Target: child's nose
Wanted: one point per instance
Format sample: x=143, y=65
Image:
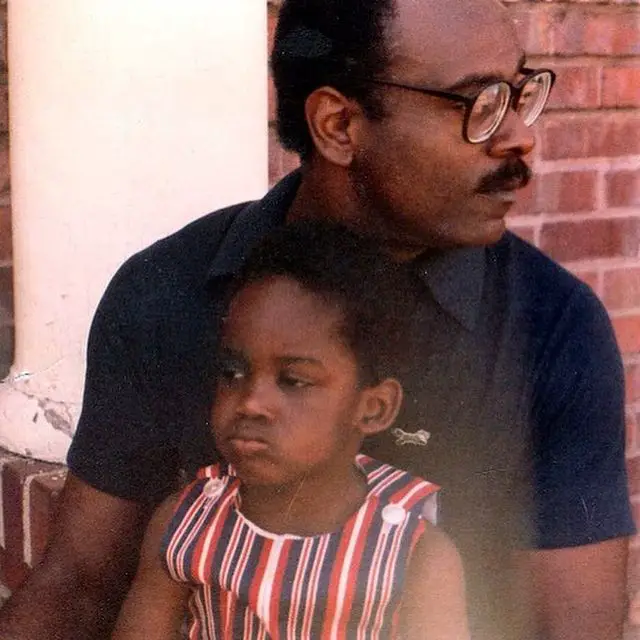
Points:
x=258, y=400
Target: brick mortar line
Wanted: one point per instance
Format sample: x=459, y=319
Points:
x=597, y=163
x=539, y=220
x=27, y=555
x=560, y=6
x=550, y=112
x=605, y=264
x=586, y=216
x=563, y=116
x=624, y=313
x=599, y=284
x=624, y=267
x=602, y=193
x=585, y=59
x=582, y=57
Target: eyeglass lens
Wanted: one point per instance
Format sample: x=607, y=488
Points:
x=488, y=111
x=492, y=103
x=533, y=97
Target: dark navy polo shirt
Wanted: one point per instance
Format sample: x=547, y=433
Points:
x=515, y=377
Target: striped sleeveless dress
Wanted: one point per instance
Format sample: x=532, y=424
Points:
x=250, y=584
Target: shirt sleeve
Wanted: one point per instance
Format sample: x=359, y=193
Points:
x=580, y=480
x=120, y=447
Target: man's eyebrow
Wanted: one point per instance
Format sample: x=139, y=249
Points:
x=480, y=80
x=475, y=80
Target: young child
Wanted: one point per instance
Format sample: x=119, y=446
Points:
x=296, y=535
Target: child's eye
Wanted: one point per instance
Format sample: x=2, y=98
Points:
x=231, y=370
x=294, y=382
x=232, y=374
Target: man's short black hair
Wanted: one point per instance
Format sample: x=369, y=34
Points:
x=376, y=296
x=336, y=43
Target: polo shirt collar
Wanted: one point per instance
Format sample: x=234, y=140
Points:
x=455, y=277
x=456, y=280
x=255, y=221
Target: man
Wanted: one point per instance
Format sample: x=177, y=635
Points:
x=401, y=113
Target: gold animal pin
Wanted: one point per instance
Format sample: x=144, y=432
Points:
x=419, y=438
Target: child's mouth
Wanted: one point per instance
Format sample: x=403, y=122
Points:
x=246, y=445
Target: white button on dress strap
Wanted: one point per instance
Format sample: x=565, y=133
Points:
x=212, y=488
x=393, y=514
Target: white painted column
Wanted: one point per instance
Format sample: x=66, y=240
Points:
x=128, y=119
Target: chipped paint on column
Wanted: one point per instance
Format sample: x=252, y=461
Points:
x=35, y=424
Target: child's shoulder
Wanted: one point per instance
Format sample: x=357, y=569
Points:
x=393, y=486
x=382, y=472
x=216, y=470
x=209, y=481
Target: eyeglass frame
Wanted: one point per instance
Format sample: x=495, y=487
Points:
x=469, y=101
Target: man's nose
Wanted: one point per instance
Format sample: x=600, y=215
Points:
x=513, y=138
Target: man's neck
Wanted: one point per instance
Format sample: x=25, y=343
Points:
x=326, y=193
x=323, y=195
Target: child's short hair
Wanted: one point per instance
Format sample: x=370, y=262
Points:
x=376, y=296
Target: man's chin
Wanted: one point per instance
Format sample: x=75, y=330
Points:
x=494, y=231
x=487, y=233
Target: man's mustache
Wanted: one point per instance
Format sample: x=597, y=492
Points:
x=513, y=174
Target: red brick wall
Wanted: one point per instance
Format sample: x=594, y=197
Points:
x=583, y=208
x=30, y=492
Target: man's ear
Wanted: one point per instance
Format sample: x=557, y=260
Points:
x=379, y=406
x=332, y=119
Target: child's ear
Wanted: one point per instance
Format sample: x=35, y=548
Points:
x=379, y=406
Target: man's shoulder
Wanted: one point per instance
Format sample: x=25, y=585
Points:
x=193, y=245
x=551, y=307
x=535, y=280
x=176, y=262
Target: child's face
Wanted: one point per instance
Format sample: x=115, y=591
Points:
x=287, y=401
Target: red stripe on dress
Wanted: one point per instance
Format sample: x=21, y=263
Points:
x=350, y=571
x=203, y=553
x=312, y=589
x=240, y=569
x=181, y=538
x=276, y=590
x=258, y=575
x=391, y=479
x=337, y=614
x=226, y=566
x=389, y=573
x=296, y=588
x=373, y=583
x=414, y=491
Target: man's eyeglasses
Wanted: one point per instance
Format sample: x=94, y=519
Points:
x=486, y=111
